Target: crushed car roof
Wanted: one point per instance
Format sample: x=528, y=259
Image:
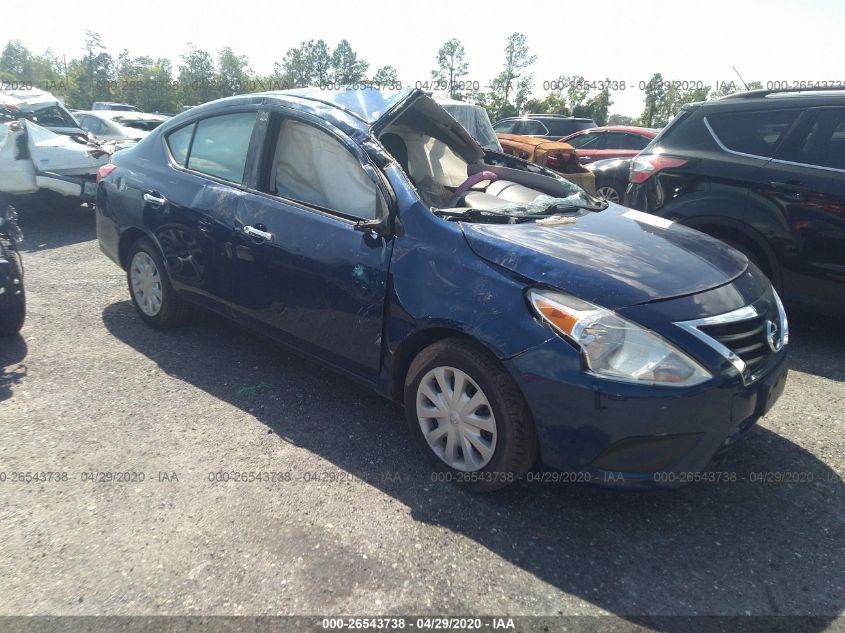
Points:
x=368, y=105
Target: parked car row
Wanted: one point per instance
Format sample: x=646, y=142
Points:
x=118, y=125
x=49, y=155
x=764, y=171
x=518, y=318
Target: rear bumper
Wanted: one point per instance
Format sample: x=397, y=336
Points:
x=80, y=188
x=622, y=435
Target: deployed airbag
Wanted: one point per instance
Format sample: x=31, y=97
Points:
x=313, y=167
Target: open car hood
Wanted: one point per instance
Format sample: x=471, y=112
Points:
x=614, y=258
x=431, y=114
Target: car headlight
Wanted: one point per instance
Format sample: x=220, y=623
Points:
x=614, y=347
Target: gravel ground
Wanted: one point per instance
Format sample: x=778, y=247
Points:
x=360, y=528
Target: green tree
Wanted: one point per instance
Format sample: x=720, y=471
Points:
x=90, y=78
x=451, y=66
x=620, y=119
x=511, y=88
x=514, y=77
x=196, y=77
x=655, y=94
x=553, y=103
x=15, y=61
x=309, y=64
x=347, y=67
x=386, y=77
x=599, y=106
x=233, y=73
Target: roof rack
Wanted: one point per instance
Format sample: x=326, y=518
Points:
x=751, y=94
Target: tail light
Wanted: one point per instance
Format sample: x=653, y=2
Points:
x=105, y=170
x=644, y=167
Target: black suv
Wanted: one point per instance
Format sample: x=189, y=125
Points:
x=763, y=171
x=550, y=126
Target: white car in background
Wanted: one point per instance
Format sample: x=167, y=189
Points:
x=117, y=125
x=41, y=169
x=40, y=107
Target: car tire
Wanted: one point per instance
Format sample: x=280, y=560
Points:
x=492, y=444
x=13, y=304
x=149, y=286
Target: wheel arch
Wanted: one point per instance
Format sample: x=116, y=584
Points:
x=128, y=237
x=415, y=342
x=728, y=229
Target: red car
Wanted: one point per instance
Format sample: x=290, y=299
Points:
x=610, y=141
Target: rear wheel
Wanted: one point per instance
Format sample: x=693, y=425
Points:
x=12, y=302
x=149, y=286
x=469, y=416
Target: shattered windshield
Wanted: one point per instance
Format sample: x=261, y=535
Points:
x=544, y=209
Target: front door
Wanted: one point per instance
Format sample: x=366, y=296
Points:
x=304, y=272
x=807, y=180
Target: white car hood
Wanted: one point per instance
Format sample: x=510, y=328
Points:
x=59, y=153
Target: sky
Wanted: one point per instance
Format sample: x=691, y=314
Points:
x=775, y=40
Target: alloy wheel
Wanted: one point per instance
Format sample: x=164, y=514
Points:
x=608, y=193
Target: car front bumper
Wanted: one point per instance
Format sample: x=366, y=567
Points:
x=617, y=434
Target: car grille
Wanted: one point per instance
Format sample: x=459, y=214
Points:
x=746, y=338
x=749, y=337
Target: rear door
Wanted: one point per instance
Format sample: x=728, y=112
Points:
x=189, y=202
x=305, y=273
x=807, y=181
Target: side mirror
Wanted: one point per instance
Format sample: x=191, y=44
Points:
x=380, y=226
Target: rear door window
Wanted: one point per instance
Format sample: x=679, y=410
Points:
x=179, y=143
x=635, y=141
x=821, y=143
x=616, y=140
x=529, y=128
x=505, y=127
x=221, y=144
x=588, y=140
x=755, y=133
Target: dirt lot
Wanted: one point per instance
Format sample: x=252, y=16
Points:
x=359, y=527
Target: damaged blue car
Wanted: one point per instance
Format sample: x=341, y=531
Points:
x=520, y=320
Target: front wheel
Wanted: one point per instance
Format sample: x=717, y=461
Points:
x=12, y=295
x=149, y=286
x=469, y=416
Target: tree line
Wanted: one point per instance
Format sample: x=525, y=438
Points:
x=154, y=85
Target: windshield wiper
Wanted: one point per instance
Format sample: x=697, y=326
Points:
x=473, y=215
x=560, y=207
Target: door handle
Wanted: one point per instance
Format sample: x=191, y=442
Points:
x=583, y=158
x=258, y=233
x=155, y=200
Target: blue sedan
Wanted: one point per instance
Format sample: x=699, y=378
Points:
x=520, y=320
